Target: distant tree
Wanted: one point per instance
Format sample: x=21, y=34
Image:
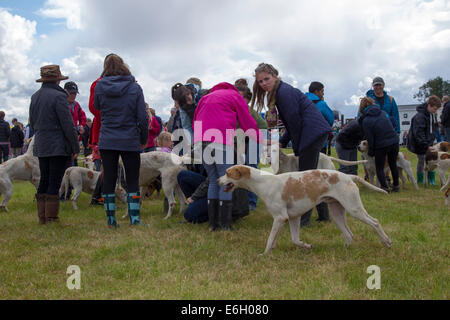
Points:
x=436, y=86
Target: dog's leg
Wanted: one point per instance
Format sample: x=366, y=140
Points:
x=441, y=174
x=294, y=225
x=278, y=222
x=168, y=188
x=355, y=208
x=181, y=198
x=7, y=195
x=76, y=193
x=337, y=212
x=401, y=177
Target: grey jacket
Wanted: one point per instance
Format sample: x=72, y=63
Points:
x=52, y=123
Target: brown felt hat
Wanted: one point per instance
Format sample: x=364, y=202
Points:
x=51, y=73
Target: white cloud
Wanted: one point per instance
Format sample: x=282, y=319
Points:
x=16, y=39
x=63, y=9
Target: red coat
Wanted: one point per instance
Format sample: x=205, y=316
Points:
x=97, y=122
x=153, y=133
x=78, y=116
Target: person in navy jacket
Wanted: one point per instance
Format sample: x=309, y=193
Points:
x=304, y=123
x=124, y=130
x=382, y=138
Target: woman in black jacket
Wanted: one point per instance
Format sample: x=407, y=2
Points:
x=421, y=134
x=55, y=140
x=347, y=142
x=382, y=139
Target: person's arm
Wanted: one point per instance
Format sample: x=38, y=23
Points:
x=66, y=123
x=395, y=115
x=142, y=116
x=246, y=120
x=327, y=113
x=284, y=140
x=201, y=191
x=81, y=119
x=92, y=109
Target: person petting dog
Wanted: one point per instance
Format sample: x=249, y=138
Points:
x=421, y=135
x=216, y=113
x=382, y=139
x=56, y=140
x=124, y=130
x=304, y=123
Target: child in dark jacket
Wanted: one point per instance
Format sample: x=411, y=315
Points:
x=382, y=138
x=421, y=134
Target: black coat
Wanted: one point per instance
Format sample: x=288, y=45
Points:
x=350, y=136
x=5, y=131
x=445, y=120
x=378, y=129
x=52, y=123
x=16, y=137
x=421, y=134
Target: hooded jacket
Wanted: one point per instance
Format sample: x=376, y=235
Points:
x=377, y=128
x=219, y=111
x=5, y=131
x=389, y=106
x=124, y=121
x=350, y=136
x=421, y=133
x=445, y=118
x=52, y=123
x=303, y=121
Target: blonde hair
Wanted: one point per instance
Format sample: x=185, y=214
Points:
x=259, y=93
x=365, y=102
x=164, y=136
x=195, y=81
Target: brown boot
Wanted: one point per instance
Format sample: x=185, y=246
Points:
x=40, y=200
x=52, y=208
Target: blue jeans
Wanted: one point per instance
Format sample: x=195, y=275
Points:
x=215, y=171
x=197, y=212
x=447, y=134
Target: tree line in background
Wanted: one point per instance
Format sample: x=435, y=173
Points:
x=436, y=86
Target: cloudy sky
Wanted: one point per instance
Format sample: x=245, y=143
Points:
x=343, y=44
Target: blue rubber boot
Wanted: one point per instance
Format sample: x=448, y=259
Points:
x=134, y=205
x=431, y=178
x=420, y=178
x=110, y=207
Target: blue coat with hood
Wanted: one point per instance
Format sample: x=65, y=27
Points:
x=421, y=133
x=389, y=106
x=303, y=121
x=377, y=128
x=124, y=119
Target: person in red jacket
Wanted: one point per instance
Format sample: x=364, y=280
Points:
x=153, y=130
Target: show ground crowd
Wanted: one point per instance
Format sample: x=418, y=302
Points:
x=125, y=126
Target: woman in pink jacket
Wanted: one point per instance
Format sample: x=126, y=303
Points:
x=215, y=122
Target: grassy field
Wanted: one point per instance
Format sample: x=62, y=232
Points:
x=174, y=260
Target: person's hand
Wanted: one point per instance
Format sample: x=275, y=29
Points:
x=143, y=146
x=74, y=156
x=189, y=200
x=82, y=130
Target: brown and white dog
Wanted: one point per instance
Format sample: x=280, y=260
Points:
x=84, y=180
x=288, y=196
x=403, y=164
x=168, y=165
x=442, y=147
x=24, y=167
x=437, y=160
x=289, y=163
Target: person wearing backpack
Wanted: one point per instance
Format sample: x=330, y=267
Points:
x=421, y=135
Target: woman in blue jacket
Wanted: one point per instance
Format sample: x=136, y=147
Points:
x=123, y=131
x=304, y=123
x=382, y=138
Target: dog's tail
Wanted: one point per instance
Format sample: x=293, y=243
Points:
x=367, y=184
x=347, y=163
x=64, y=189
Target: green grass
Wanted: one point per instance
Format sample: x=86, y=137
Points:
x=172, y=260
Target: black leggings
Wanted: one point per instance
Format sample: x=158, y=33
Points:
x=131, y=162
x=380, y=160
x=52, y=172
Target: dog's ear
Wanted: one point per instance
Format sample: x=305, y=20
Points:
x=445, y=146
x=430, y=156
x=445, y=156
x=234, y=173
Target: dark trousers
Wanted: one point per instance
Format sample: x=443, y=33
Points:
x=4, y=152
x=131, y=162
x=197, y=212
x=380, y=159
x=52, y=172
x=308, y=160
x=349, y=155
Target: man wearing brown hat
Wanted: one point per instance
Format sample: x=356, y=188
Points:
x=55, y=139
